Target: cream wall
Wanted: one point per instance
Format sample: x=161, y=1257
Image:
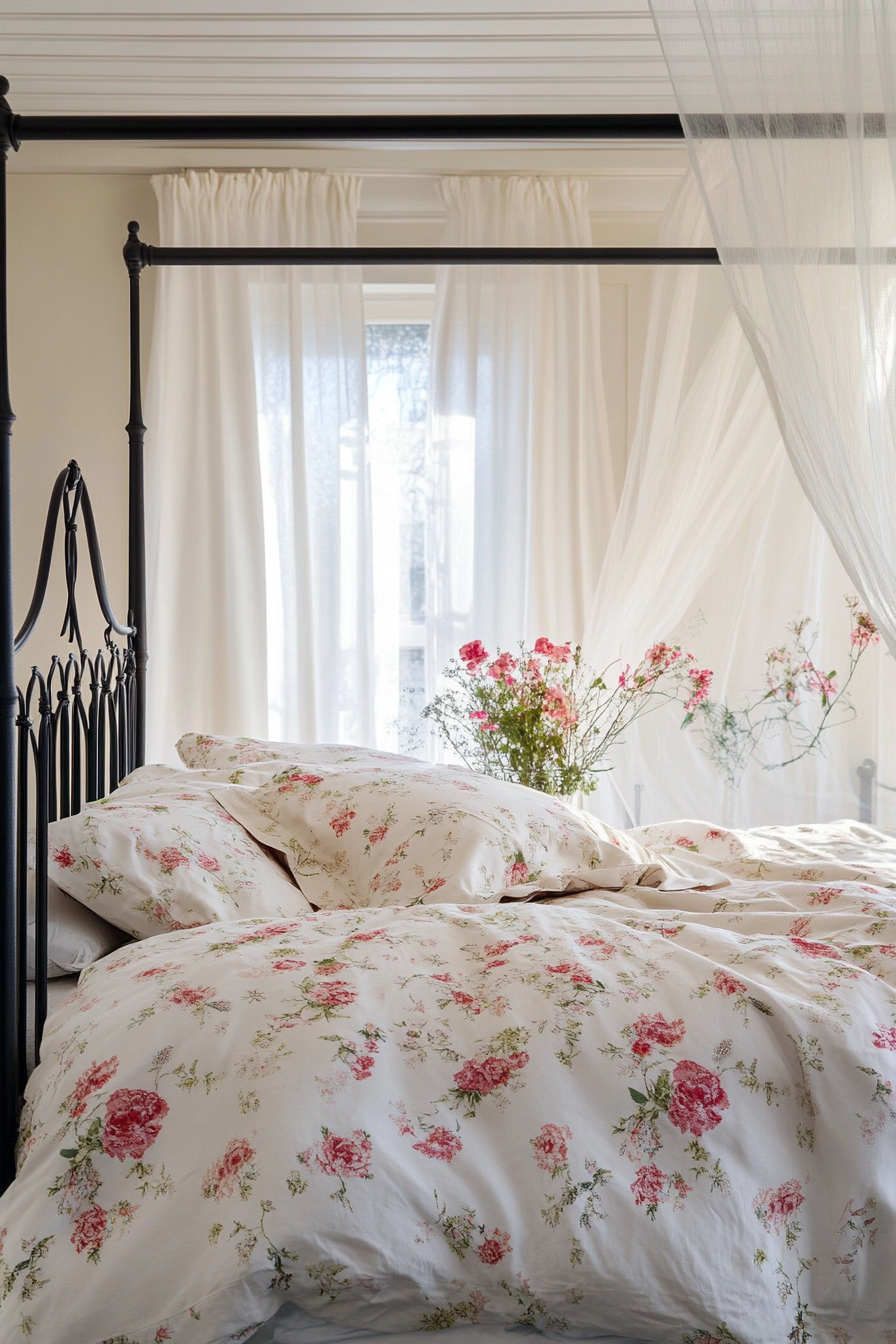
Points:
x=68, y=337
x=68, y=314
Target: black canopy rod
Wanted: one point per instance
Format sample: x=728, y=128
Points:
x=427, y=256
x=500, y=126
x=536, y=126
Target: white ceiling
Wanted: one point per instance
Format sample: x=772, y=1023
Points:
x=332, y=56
x=343, y=56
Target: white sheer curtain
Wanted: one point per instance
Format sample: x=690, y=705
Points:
x=523, y=490
x=258, y=510
x=704, y=450
x=805, y=100
x=715, y=544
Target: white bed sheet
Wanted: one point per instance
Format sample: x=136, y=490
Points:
x=292, y=1325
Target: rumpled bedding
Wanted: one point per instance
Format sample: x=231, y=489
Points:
x=667, y=1115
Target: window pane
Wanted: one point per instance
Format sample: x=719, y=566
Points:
x=398, y=403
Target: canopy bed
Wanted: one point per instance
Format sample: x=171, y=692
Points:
x=632, y=916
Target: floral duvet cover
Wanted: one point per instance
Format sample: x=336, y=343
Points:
x=667, y=1115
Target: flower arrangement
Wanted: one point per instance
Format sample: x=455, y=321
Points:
x=544, y=718
x=793, y=683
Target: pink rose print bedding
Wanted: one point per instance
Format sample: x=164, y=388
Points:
x=374, y=834
x=160, y=854
x=665, y=1115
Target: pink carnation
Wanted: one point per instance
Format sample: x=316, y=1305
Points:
x=132, y=1122
x=884, y=1037
x=698, y=1098
x=494, y=1248
x=333, y=993
x=550, y=1147
x=652, y=1029
x=484, y=1076
x=90, y=1229
x=440, y=1145
x=474, y=655
x=555, y=653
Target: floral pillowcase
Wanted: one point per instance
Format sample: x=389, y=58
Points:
x=161, y=854
x=374, y=835
x=204, y=751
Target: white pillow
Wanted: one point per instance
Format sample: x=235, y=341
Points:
x=205, y=751
x=75, y=936
x=161, y=854
x=371, y=835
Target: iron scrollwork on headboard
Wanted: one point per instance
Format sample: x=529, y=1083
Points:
x=76, y=725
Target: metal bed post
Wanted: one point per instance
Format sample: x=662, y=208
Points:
x=9, y=1034
x=136, y=431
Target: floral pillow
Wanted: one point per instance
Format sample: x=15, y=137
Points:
x=161, y=854
x=203, y=751
x=374, y=835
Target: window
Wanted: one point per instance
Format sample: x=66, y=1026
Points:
x=397, y=340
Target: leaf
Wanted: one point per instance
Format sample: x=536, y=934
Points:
x=637, y=1097
x=762, y=1007
x=68, y=1152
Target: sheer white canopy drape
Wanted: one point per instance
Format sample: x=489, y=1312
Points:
x=258, y=509
x=716, y=545
x=790, y=200
x=523, y=490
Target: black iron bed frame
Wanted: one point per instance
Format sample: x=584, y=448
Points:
x=76, y=730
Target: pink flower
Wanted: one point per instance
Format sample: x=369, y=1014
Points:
x=220, y=1180
x=345, y=1157
x=440, y=1145
x=516, y=873
x=488, y=727
x=652, y=1029
x=368, y=935
x=288, y=964
x=170, y=858
x=502, y=667
x=361, y=1067
x=343, y=821
x=864, y=632
x=824, y=895
x=662, y=655
x=702, y=680
x=576, y=973
x=474, y=655
x=649, y=1185
x=726, y=983
x=550, y=1147
x=494, y=1248
x=378, y=833
x=63, y=857
x=715, y=835
x=685, y=842
x=90, y=1229
x=556, y=705
x=810, y=949
x=555, y=653
x=210, y=864
x=598, y=948
x=133, y=1121
x=190, y=996
x=775, y=1207
x=333, y=993
x=697, y=1098
x=91, y=1080
x=483, y=1076
x=478, y=714
x=884, y=1037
